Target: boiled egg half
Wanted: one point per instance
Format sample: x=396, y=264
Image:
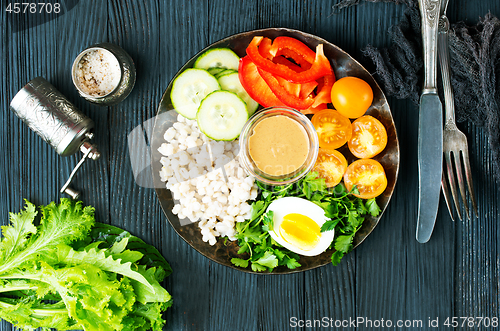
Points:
x=296, y=226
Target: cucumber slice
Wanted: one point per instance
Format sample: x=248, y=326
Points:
x=222, y=115
x=189, y=88
x=218, y=57
x=224, y=72
x=231, y=83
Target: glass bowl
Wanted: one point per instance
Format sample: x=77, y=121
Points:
x=288, y=178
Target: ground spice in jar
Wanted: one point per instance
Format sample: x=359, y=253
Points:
x=98, y=73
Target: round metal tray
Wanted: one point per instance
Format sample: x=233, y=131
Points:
x=343, y=65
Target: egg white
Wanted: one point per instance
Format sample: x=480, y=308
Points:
x=288, y=205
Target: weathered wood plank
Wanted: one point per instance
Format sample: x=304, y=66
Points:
x=6, y=180
x=478, y=239
x=28, y=153
x=182, y=31
x=225, y=19
x=92, y=180
x=34, y=170
x=368, y=292
x=330, y=292
x=267, y=300
x=382, y=261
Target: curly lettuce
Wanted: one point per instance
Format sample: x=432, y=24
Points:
x=70, y=272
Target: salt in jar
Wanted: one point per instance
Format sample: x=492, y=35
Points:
x=104, y=74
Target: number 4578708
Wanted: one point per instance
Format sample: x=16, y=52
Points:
x=33, y=8
x=471, y=322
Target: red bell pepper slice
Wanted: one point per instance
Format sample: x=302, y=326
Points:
x=284, y=61
x=299, y=90
x=292, y=88
x=255, y=86
x=297, y=58
x=300, y=52
x=304, y=89
x=283, y=95
x=319, y=68
x=307, y=88
x=265, y=47
x=314, y=110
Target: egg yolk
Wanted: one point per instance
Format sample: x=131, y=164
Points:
x=300, y=231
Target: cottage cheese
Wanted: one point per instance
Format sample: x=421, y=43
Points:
x=206, y=180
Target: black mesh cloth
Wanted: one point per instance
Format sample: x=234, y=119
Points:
x=474, y=61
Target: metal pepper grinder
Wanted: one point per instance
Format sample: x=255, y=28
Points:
x=57, y=121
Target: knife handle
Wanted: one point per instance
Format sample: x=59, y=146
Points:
x=429, y=12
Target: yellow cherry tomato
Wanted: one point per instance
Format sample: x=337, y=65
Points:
x=351, y=96
x=369, y=177
x=333, y=129
x=330, y=165
x=369, y=137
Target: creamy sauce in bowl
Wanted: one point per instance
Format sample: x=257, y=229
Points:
x=278, y=145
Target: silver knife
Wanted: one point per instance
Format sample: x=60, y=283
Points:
x=430, y=126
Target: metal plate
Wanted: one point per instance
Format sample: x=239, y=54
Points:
x=343, y=65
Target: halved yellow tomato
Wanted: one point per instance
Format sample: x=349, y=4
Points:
x=369, y=137
x=369, y=177
x=330, y=165
x=333, y=128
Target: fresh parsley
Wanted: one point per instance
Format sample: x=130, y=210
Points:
x=345, y=211
x=264, y=254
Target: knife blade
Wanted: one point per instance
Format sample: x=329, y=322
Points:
x=430, y=126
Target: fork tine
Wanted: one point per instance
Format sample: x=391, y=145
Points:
x=461, y=183
x=446, y=194
x=452, y=182
x=468, y=177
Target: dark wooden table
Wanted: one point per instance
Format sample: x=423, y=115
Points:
x=388, y=277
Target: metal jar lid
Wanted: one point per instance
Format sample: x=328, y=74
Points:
x=126, y=72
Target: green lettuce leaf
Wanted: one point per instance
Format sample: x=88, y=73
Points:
x=150, y=315
x=144, y=293
x=67, y=273
x=16, y=236
x=95, y=299
x=31, y=314
x=60, y=224
x=99, y=259
x=109, y=235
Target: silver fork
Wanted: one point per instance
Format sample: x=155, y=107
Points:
x=454, y=141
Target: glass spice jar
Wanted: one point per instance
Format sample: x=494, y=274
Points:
x=103, y=74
